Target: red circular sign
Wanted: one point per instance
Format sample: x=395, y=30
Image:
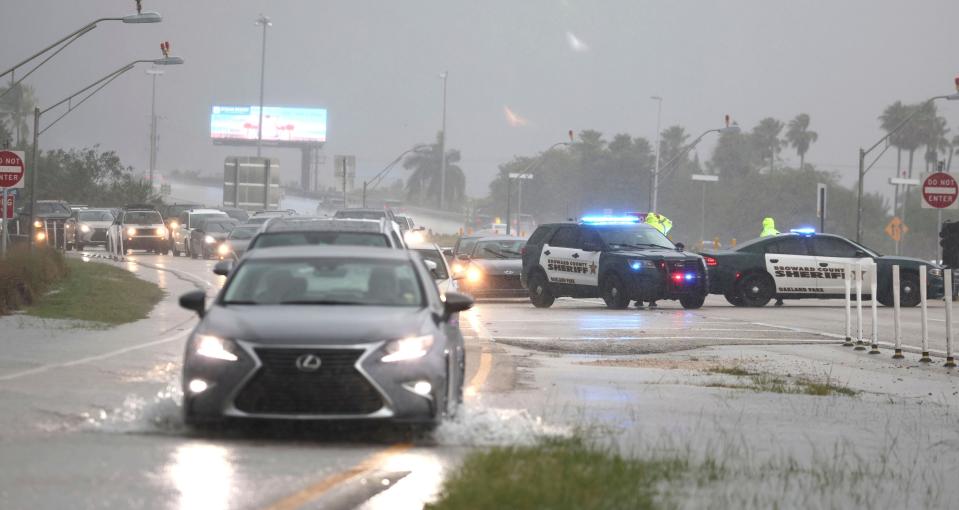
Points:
x=11, y=169
x=940, y=190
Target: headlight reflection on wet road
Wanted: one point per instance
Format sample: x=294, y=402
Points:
x=203, y=476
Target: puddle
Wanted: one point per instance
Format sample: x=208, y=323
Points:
x=158, y=413
x=483, y=426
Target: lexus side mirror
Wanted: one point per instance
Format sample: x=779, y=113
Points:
x=223, y=267
x=432, y=267
x=455, y=303
x=195, y=301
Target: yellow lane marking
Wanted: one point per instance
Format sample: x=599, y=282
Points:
x=486, y=359
x=314, y=491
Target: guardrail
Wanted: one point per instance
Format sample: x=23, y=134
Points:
x=854, y=278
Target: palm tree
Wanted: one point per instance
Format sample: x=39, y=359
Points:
x=17, y=107
x=953, y=149
x=765, y=138
x=423, y=185
x=800, y=137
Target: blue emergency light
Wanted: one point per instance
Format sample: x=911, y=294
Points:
x=609, y=220
x=804, y=231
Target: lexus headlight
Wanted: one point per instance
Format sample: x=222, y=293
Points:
x=935, y=271
x=407, y=348
x=209, y=240
x=639, y=265
x=131, y=231
x=85, y=228
x=215, y=348
x=474, y=274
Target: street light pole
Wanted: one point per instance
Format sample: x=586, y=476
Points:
x=728, y=129
x=524, y=174
x=264, y=22
x=704, y=178
x=153, y=124
x=143, y=17
x=37, y=113
x=864, y=152
x=445, y=76
x=654, y=189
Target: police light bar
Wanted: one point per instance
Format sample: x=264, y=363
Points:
x=804, y=231
x=609, y=220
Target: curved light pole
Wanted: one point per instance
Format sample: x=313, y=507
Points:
x=734, y=129
x=654, y=188
x=862, y=154
x=96, y=86
x=445, y=76
x=378, y=178
x=522, y=175
x=143, y=17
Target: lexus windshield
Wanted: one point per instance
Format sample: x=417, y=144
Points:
x=325, y=281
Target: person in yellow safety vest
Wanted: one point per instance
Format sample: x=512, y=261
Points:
x=769, y=229
x=659, y=222
x=662, y=224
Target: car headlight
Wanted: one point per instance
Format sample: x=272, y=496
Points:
x=414, y=347
x=209, y=240
x=131, y=231
x=174, y=225
x=935, y=271
x=215, y=348
x=474, y=274
x=38, y=224
x=85, y=228
x=457, y=268
x=223, y=249
x=161, y=231
x=639, y=265
x=41, y=236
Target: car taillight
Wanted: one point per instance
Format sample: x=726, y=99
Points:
x=522, y=251
x=711, y=262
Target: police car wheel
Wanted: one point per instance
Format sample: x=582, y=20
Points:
x=756, y=290
x=908, y=292
x=539, y=292
x=733, y=298
x=692, y=302
x=614, y=293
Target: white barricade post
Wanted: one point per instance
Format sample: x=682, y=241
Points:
x=875, y=310
x=896, y=313
x=847, y=283
x=923, y=286
x=947, y=276
x=860, y=344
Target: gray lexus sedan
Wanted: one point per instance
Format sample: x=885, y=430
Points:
x=325, y=333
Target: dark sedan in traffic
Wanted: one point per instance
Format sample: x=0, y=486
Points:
x=492, y=268
x=325, y=333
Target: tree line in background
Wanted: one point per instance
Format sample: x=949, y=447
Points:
x=594, y=174
x=82, y=176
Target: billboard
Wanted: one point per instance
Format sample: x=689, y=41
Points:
x=237, y=125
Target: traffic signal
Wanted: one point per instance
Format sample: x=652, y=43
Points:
x=949, y=240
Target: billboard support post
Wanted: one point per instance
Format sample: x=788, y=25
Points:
x=266, y=184
x=345, y=203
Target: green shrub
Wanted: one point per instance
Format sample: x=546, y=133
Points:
x=25, y=275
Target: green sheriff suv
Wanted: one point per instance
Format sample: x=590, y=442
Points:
x=616, y=258
x=805, y=265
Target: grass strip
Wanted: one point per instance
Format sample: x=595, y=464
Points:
x=557, y=474
x=769, y=383
x=99, y=293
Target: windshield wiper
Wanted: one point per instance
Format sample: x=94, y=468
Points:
x=240, y=302
x=320, y=302
x=498, y=254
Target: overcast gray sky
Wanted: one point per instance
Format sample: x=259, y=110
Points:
x=374, y=65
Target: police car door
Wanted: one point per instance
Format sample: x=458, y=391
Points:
x=791, y=264
x=589, y=238
x=833, y=254
x=557, y=256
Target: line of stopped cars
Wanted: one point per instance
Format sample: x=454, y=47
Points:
x=356, y=318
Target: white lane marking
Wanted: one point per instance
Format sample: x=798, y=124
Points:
x=88, y=359
x=626, y=338
x=691, y=327
x=800, y=330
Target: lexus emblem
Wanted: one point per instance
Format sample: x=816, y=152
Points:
x=507, y=272
x=308, y=363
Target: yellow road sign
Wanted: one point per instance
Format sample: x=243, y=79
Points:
x=896, y=229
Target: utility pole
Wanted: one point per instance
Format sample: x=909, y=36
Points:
x=445, y=75
x=153, y=72
x=654, y=189
x=264, y=22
